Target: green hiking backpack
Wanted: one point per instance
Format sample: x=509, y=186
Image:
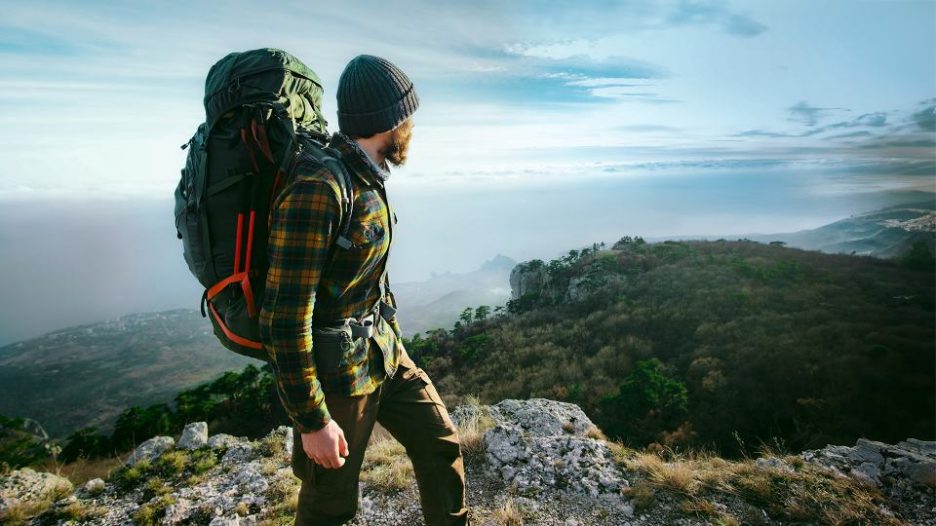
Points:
x=262, y=122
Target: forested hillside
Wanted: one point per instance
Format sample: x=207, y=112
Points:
x=723, y=344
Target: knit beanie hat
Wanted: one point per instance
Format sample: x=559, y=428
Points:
x=373, y=96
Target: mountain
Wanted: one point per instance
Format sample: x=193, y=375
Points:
x=438, y=301
x=886, y=233
x=87, y=375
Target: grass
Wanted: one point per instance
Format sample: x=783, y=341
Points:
x=283, y=492
x=22, y=513
x=150, y=513
x=471, y=431
x=386, y=465
x=508, y=514
x=798, y=492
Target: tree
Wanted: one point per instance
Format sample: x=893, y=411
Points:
x=466, y=316
x=482, y=312
x=647, y=400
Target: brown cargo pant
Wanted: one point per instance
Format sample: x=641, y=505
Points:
x=409, y=407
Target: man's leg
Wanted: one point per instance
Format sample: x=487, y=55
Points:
x=412, y=411
x=329, y=496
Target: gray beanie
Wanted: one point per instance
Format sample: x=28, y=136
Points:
x=373, y=96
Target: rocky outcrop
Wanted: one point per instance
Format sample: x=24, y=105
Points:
x=537, y=459
x=25, y=490
x=535, y=279
x=905, y=472
x=538, y=444
x=150, y=449
x=529, y=278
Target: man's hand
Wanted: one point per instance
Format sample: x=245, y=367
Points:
x=327, y=446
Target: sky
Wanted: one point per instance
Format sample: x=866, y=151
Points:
x=542, y=126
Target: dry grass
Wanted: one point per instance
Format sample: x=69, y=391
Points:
x=471, y=431
x=507, y=514
x=386, y=465
x=22, y=513
x=83, y=470
x=596, y=433
x=799, y=492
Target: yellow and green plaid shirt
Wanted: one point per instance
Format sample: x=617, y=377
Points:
x=305, y=287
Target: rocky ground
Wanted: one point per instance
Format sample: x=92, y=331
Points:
x=528, y=462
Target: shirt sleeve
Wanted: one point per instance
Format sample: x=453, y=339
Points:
x=303, y=226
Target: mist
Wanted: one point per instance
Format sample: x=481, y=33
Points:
x=70, y=261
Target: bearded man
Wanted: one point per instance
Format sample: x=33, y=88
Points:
x=328, y=320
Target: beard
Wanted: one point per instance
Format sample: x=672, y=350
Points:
x=397, y=146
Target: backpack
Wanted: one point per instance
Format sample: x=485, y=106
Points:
x=262, y=122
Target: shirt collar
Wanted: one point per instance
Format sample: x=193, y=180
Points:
x=358, y=160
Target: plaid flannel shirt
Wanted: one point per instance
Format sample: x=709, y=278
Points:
x=305, y=288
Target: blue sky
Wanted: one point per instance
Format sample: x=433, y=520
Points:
x=543, y=126
x=97, y=96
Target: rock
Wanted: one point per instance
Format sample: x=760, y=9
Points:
x=150, y=449
x=194, y=436
x=542, y=445
x=528, y=278
x=221, y=441
x=542, y=417
x=905, y=472
x=773, y=463
x=94, y=486
x=238, y=454
x=25, y=487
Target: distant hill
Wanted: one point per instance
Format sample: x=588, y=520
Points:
x=87, y=375
x=883, y=233
x=438, y=301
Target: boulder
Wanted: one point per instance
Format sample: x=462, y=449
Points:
x=194, y=436
x=150, y=449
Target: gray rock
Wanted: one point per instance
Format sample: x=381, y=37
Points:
x=25, y=486
x=773, y=463
x=238, y=454
x=221, y=441
x=194, y=436
x=94, y=486
x=150, y=449
x=541, y=445
x=528, y=278
x=543, y=417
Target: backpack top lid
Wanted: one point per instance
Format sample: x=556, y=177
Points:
x=265, y=75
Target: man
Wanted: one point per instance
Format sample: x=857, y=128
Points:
x=336, y=349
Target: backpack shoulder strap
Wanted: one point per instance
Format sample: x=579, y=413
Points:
x=331, y=159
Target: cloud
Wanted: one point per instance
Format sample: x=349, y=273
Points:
x=809, y=115
x=851, y=135
x=714, y=14
x=926, y=118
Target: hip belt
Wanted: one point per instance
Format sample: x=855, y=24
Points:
x=357, y=327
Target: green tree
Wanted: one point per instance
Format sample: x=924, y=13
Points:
x=482, y=313
x=466, y=316
x=648, y=400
